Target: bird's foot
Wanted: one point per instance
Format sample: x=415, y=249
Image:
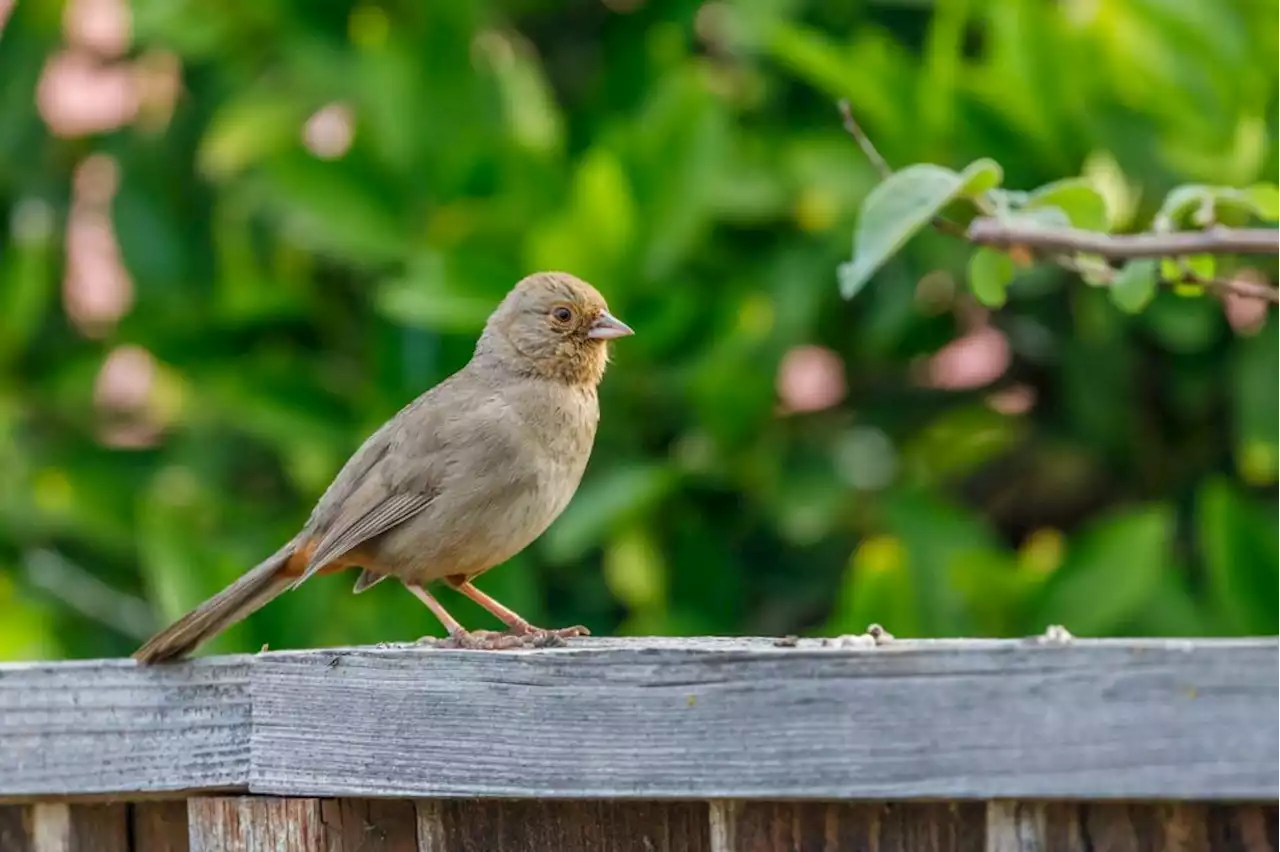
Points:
x=475, y=640
x=541, y=637
x=527, y=636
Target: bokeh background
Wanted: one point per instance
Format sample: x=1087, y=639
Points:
x=238, y=236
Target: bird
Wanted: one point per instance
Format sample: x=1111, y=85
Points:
x=460, y=480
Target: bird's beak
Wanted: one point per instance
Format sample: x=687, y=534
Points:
x=608, y=327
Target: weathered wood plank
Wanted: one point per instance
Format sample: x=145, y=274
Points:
x=267, y=824
x=843, y=827
x=59, y=827
x=371, y=825
x=1244, y=829
x=660, y=718
x=257, y=824
x=1129, y=827
x=160, y=827
x=566, y=826
x=15, y=834
x=1088, y=720
x=107, y=726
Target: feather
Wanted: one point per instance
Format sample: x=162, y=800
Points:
x=349, y=532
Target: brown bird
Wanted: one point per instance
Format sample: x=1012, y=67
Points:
x=460, y=480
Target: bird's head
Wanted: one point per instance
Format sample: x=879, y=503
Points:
x=555, y=326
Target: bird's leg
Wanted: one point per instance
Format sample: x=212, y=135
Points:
x=517, y=625
x=459, y=637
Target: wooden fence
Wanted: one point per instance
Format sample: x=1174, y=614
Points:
x=723, y=745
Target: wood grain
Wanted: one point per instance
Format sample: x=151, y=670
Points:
x=257, y=824
x=843, y=827
x=58, y=827
x=160, y=827
x=689, y=719
x=565, y=826
x=1129, y=827
x=108, y=726
x=1090, y=720
x=14, y=831
x=370, y=825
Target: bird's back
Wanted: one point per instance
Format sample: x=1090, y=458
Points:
x=499, y=459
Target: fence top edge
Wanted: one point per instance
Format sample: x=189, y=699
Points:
x=695, y=645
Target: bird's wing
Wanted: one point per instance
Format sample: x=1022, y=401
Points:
x=352, y=528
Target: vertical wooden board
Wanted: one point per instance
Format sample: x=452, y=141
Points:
x=1243, y=828
x=837, y=827
x=1183, y=827
x=1131, y=827
x=160, y=827
x=59, y=827
x=257, y=824
x=492, y=825
x=370, y=825
x=13, y=829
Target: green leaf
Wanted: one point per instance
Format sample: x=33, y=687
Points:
x=247, y=130
x=878, y=588
x=1240, y=551
x=1094, y=269
x=1265, y=199
x=1083, y=205
x=1110, y=571
x=1255, y=421
x=634, y=569
x=1175, y=269
x=429, y=297
x=898, y=207
x=935, y=533
x=1178, y=203
x=1135, y=285
x=990, y=272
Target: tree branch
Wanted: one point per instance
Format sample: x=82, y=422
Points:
x=1058, y=244
x=988, y=231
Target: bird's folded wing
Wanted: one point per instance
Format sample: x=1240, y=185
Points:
x=351, y=529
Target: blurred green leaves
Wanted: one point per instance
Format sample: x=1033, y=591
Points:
x=313, y=233
x=990, y=273
x=1109, y=571
x=903, y=203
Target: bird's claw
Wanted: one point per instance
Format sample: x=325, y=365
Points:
x=490, y=640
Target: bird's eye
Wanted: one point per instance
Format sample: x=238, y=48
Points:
x=562, y=314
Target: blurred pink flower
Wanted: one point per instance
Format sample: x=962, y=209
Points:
x=125, y=380
x=124, y=388
x=976, y=359
x=1246, y=315
x=810, y=378
x=96, y=288
x=76, y=95
x=101, y=26
x=328, y=132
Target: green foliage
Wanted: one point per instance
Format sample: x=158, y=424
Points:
x=990, y=273
x=901, y=205
x=1104, y=457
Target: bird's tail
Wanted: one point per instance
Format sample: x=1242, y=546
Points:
x=243, y=597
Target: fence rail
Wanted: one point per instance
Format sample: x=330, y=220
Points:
x=652, y=744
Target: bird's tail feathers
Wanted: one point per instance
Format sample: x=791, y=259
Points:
x=243, y=597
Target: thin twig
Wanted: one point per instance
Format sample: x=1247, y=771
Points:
x=864, y=142
x=1050, y=242
x=988, y=231
x=882, y=166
